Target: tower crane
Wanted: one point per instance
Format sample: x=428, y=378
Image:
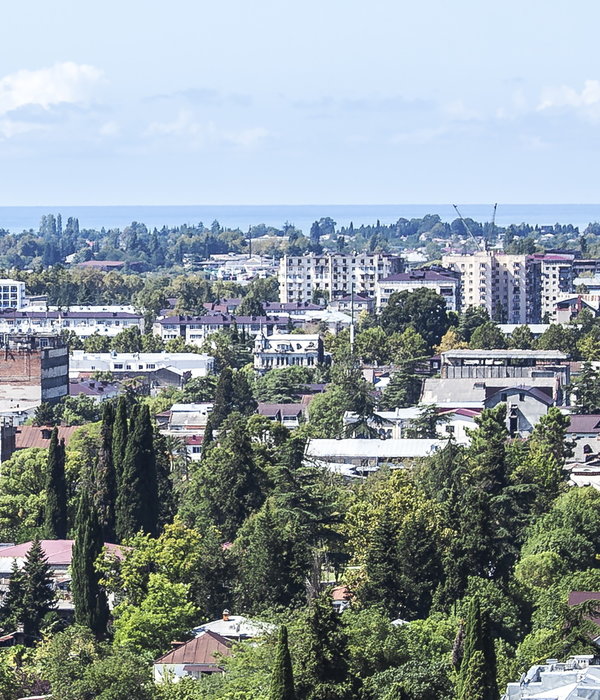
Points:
x=480, y=245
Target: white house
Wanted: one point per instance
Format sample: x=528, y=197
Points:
x=284, y=350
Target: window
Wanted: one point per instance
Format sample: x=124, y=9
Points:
x=118, y=366
x=521, y=397
x=503, y=397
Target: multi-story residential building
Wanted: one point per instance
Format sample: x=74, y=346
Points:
x=333, y=274
x=195, y=329
x=283, y=350
x=33, y=370
x=495, y=281
x=550, y=276
x=12, y=294
x=83, y=321
x=446, y=285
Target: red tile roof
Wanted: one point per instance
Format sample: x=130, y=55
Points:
x=58, y=552
x=33, y=435
x=200, y=650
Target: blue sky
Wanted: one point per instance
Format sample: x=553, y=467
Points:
x=335, y=101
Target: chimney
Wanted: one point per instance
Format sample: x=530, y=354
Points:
x=46, y=433
x=176, y=645
x=225, y=615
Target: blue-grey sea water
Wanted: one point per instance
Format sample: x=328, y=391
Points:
x=17, y=219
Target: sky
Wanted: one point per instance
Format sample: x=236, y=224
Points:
x=312, y=102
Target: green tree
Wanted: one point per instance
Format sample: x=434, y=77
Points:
x=55, y=512
x=164, y=614
x=403, y=389
x=128, y=340
x=21, y=499
x=561, y=338
x=470, y=320
x=137, y=499
x=422, y=309
x=587, y=390
x=270, y=561
x=228, y=485
x=120, y=432
x=282, y=678
x=91, y=607
x=521, y=338
x=488, y=336
x=478, y=667
x=323, y=654
x=106, y=477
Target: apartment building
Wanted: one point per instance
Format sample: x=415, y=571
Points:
x=495, y=281
x=334, y=274
x=550, y=277
x=12, y=294
x=83, y=321
x=196, y=329
x=446, y=285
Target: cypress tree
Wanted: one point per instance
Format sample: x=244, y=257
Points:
x=224, y=399
x=55, y=513
x=478, y=666
x=137, y=500
x=38, y=598
x=120, y=431
x=91, y=607
x=282, y=678
x=106, y=478
x=323, y=654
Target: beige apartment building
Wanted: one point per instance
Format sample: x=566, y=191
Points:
x=334, y=274
x=495, y=281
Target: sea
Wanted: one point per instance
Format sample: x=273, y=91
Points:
x=17, y=219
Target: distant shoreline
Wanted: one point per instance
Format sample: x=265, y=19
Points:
x=19, y=218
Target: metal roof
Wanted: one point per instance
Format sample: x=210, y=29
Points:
x=508, y=354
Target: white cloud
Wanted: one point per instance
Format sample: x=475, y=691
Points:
x=586, y=101
x=11, y=127
x=110, y=128
x=66, y=82
x=420, y=137
x=205, y=133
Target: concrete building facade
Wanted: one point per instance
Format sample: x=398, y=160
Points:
x=446, y=285
x=334, y=274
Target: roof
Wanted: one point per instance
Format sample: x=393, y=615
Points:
x=466, y=354
x=235, y=627
x=58, y=552
x=91, y=387
x=589, y=423
x=372, y=448
x=200, y=650
x=34, y=435
x=283, y=409
x=535, y=392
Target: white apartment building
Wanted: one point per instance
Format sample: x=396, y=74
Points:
x=444, y=285
x=83, y=321
x=495, y=281
x=277, y=351
x=335, y=274
x=124, y=364
x=12, y=294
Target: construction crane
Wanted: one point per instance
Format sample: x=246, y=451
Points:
x=480, y=245
x=494, y=219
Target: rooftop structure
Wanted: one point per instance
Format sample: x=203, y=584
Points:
x=578, y=677
x=199, y=656
x=236, y=627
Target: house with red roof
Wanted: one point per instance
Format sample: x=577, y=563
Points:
x=200, y=656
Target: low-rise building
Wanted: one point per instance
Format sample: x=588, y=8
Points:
x=157, y=368
x=357, y=457
x=446, y=284
x=284, y=350
x=12, y=294
x=290, y=415
x=356, y=302
x=199, y=657
x=577, y=677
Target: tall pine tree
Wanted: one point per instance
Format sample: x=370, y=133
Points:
x=137, y=500
x=477, y=677
x=282, y=678
x=120, y=432
x=106, y=477
x=55, y=513
x=91, y=607
x=30, y=596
